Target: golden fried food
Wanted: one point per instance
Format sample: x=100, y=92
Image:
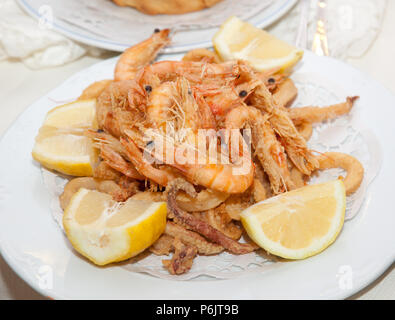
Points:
x=305, y=129
x=118, y=192
x=182, y=259
x=140, y=55
x=192, y=238
x=321, y=114
x=149, y=196
x=285, y=93
x=202, y=55
x=205, y=200
x=354, y=168
x=258, y=191
x=163, y=246
x=200, y=226
x=268, y=149
x=297, y=177
x=157, y=111
x=167, y=6
x=221, y=220
x=94, y=90
x=294, y=144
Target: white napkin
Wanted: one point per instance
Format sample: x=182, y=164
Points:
x=33, y=42
x=351, y=26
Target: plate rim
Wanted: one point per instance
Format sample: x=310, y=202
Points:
x=379, y=268
x=119, y=47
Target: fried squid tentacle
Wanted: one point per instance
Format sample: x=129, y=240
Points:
x=200, y=226
x=192, y=238
x=182, y=259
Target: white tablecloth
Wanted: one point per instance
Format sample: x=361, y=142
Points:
x=20, y=86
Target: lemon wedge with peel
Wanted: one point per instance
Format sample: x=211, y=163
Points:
x=106, y=231
x=237, y=39
x=78, y=114
x=61, y=145
x=299, y=223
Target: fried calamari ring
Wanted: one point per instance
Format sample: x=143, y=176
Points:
x=118, y=192
x=354, y=168
x=205, y=200
x=94, y=90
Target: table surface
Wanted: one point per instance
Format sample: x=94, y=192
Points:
x=21, y=86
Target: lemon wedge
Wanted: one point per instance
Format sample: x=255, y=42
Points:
x=60, y=144
x=78, y=114
x=106, y=231
x=237, y=39
x=299, y=223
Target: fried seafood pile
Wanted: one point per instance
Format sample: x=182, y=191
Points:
x=151, y=101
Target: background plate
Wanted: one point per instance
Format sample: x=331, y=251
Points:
x=103, y=24
x=33, y=245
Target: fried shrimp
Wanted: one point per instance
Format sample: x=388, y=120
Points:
x=222, y=99
x=230, y=178
x=320, y=114
x=195, y=72
x=268, y=149
x=202, y=55
x=140, y=55
x=354, y=168
x=161, y=177
x=117, y=162
x=113, y=153
x=295, y=145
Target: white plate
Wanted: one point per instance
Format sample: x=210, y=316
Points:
x=108, y=26
x=33, y=245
